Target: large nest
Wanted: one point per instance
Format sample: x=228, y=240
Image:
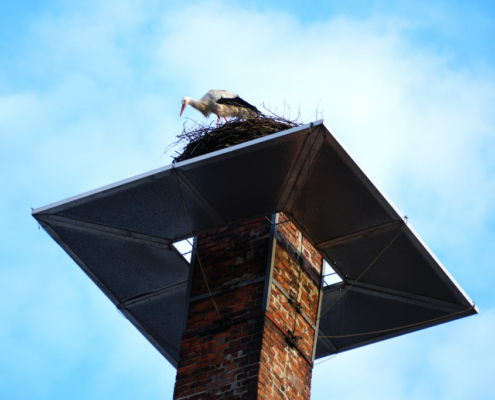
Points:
x=203, y=139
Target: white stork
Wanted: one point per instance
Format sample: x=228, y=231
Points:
x=223, y=104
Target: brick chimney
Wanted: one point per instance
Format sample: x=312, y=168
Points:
x=265, y=281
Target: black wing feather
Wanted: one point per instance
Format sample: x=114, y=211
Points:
x=237, y=101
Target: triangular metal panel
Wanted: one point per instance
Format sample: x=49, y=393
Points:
x=305, y=173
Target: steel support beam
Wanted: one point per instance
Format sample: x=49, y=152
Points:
x=359, y=234
x=102, y=230
x=301, y=169
x=190, y=188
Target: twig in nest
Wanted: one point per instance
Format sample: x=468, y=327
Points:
x=204, y=139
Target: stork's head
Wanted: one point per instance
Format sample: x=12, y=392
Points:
x=185, y=102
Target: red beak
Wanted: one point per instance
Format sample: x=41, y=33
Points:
x=182, y=110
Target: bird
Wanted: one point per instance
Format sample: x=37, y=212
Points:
x=222, y=103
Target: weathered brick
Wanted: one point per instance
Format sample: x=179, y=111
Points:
x=246, y=356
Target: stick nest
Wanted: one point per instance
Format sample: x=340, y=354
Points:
x=204, y=139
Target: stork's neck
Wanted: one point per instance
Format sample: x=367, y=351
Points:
x=199, y=105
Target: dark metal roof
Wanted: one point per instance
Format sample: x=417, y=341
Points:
x=121, y=235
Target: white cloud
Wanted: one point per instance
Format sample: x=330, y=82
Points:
x=464, y=361
x=420, y=128
x=452, y=362
x=109, y=105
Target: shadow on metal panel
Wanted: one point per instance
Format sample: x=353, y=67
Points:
x=122, y=236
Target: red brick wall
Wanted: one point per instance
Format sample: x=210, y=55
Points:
x=287, y=369
x=242, y=353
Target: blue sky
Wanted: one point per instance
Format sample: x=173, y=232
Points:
x=90, y=94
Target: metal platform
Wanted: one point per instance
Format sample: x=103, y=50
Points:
x=121, y=235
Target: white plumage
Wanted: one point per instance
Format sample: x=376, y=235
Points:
x=223, y=104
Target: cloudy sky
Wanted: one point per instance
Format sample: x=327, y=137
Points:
x=90, y=94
